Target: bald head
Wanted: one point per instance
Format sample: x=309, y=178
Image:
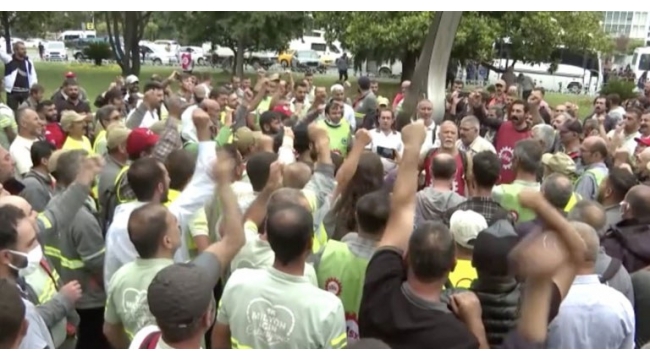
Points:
x=296, y=175
x=589, y=212
x=200, y=92
x=147, y=226
x=638, y=199
x=209, y=105
x=557, y=189
x=16, y=201
x=590, y=239
x=595, y=145
x=443, y=167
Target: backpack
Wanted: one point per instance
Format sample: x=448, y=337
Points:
x=107, y=207
x=151, y=341
x=612, y=269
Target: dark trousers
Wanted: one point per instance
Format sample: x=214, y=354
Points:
x=90, y=333
x=14, y=99
x=343, y=75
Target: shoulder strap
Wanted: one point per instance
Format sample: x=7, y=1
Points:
x=612, y=269
x=151, y=341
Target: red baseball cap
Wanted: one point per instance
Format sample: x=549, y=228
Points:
x=643, y=141
x=70, y=75
x=283, y=109
x=140, y=140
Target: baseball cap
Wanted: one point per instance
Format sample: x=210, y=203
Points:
x=643, y=141
x=283, y=109
x=572, y=126
x=465, y=226
x=382, y=101
x=70, y=75
x=68, y=117
x=179, y=296
x=501, y=82
x=492, y=247
x=139, y=140
x=131, y=79
x=116, y=136
x=244, y=138
x=559, y=163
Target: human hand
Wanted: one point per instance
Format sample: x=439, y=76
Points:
x=362, y=136
x=224, y=168
x=275, y=176
x=466, y=306
x=414, y=134
x=71, y=291
x=90, y=168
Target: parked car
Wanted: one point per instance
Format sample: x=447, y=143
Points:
x=55, y=51
x=157, y=55
x=263, y=59
x=169, y=45
x=306, y=60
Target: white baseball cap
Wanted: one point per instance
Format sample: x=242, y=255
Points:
x=465, y=226
x=131, y=79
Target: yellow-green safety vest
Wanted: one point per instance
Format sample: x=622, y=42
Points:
x=343, y=273
x=510, y=202
x=197, y=221
x=45, y=288
x=339, y=136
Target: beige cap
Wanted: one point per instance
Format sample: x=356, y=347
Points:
x=116, y=136
x=69, y=117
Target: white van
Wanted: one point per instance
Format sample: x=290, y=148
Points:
x=69, y=35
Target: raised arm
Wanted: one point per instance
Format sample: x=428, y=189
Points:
x=402, y=213
x=349, y=167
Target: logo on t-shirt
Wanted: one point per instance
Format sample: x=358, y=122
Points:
x=270, y=324
x=352, y=326
x=506, y=155
x=333, y=285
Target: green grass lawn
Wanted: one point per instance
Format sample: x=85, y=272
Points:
x=95, y=80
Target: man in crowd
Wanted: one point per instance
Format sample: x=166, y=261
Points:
x=20, y=75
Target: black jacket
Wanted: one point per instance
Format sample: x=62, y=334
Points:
x=500, y=298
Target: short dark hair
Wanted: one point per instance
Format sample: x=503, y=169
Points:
x=258, y=167
x=180, y=165
x=36, y=88
x=600, y=147
x=70, y=82
x=431, y=251
x=373, y=210
x=557, y=190
x=218, y=91
x=621, y=181
x=12, y=313
x=104, y=113
x=152, y=85
x=41, y=149
x=10, y=216
x=42, y=105
x=289, y=230
x=298, y=84
x=528, y=155
x=112, y=94
x=147, y=225
x=519, y=102
x=486, y=167
x=144, y=175
x=443, y=167
x=614, y=99
x=267, y=117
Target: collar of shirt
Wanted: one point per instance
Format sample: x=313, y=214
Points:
x=586, y=280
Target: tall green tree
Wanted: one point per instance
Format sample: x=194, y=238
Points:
x=30, y=23
x=386, y=36
x=242, y=31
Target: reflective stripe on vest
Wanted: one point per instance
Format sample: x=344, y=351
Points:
x=343, y=273
x=118, y=180
x=101, y=136
x=510, y=202
x=572, y=202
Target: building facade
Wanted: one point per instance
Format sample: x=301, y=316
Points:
x=632, y=24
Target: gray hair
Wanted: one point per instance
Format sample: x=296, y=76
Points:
x=473, y=120
x=68, y=165
x=544, y=133
x=528, y=155
x=557, y=190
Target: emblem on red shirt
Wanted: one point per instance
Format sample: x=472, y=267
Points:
x=506, y=155
x=352, y=326
x=333, y=285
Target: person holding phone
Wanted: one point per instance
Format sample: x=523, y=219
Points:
x=386, y=141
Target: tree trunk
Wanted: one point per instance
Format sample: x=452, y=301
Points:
x=239, y=59
x=130, y=36
x=409, y=60
x=7, y=31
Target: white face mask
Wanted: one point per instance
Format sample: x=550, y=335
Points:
x=33, y=257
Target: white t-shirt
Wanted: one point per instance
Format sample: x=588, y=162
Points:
x=20, y=151
x=382, y=142
x=188, y=130
x=429, y=142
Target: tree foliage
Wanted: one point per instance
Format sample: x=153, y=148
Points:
x=386, y=36
x=242, y=31
x=22, y=22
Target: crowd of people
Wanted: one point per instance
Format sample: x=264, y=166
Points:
x=269, y=212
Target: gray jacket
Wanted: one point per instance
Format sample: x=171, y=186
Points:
x=38, y=190
x=431, y=204
x=77, y=253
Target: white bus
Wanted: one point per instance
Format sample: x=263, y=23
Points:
x=640, y=61
x=576, y=72
x=69, y=35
